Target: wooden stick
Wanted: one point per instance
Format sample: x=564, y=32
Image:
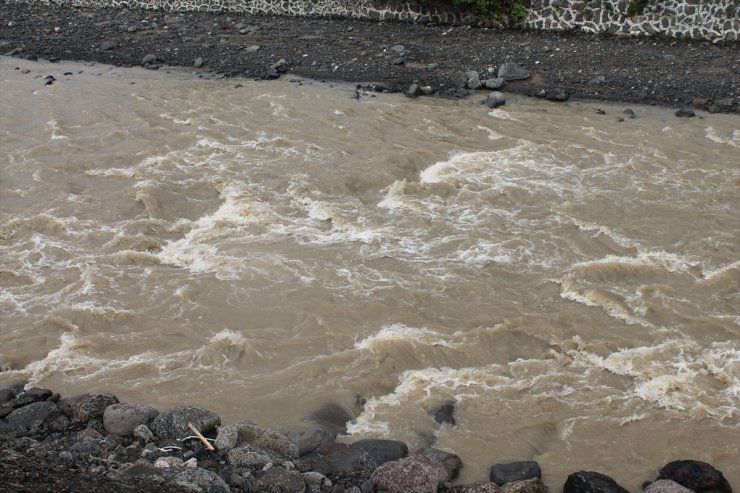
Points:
x=201, y=437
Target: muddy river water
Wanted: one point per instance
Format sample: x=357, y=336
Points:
x=571, y=281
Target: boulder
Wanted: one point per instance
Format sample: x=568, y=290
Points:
x=6, y=431
x=382, y=451
x=413, y=90
x=121, y=419
x=591, y=482
x=338, y=459
x=279, y=480
x=6, y=395
x=495, y=99
x=92, y=406
x=496, y=83
x=67, y=405
x=36, y=411
x=512, y=71
x=556, y=94
x=415, y=474
x=316, y=482
x=478, y=487
x=264, y=438
x=143, y=433
x=525, y=486
x=515, y=471
x=249, y=456
x=451, y=462
x=696, y=475
x=310, y=440
x=685, y=113
x=173, y=423
x=195, y=479
x=445, y=413
x=666, y=486
x=31, y=395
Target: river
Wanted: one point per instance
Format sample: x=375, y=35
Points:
x=260, y=249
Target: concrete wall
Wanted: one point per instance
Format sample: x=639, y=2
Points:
x=716, y=20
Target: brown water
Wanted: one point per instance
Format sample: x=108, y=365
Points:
x=571, y=281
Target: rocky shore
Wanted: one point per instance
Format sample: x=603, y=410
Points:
x=94, y=443
x=385, y=56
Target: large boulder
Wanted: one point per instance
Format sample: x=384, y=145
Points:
x=37, y=411
x=515, y=471
x=173, y=423
x=696, y=475
x=279, y=480
x=246, y=432
x=451, y=462
x=382, y=451
x=249, y=456
x=525, y=486
x=337, y=459
x=495, y=99
x=415, y=474
x=666, y=486
x=512, y=71
x=189, y=479
x=591, y=482
x=92, y=406
x=122, y=419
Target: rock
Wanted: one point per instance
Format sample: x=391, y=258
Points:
x=413, y=91
x=696, y=475
x=398, y=49
x=526, y=486
x=279, y=480
x=92, y=406
x=495, y=99
x=198, y=62
x=33, y=394
x=515, y=471
x=398, y=61
x=195, y=479
x=149, y=59
x=121, y=419
x=59, y=423
x=382, y=451
x=599, y=111
x=107, y=45
x=591, y=482
x=36, y=411
x=143, y=433
x=227, y=438
x=281, y=66
x=496, y=83
x=451, y=462
x=309, y=440
x=426, y=90
x=415, y=474
x=6, y=395
x=478, y=487
x=67, y=405
x=337, y=458
x=168, y=462
x=630, y=114
x=599, y=79
x=473, y=84
x=7, y=431
x=249, y=456
x=460, y=80
x=445, y=413
x=132, y=29
x=173, y=423
x=252, y=48
x=685, y=113
x=666, y=486
x=512, y=71
x=556, y=94
x=316, y=482
x=264, y=438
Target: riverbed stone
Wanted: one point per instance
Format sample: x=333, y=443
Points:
x=310, y=440
x=695, y=475
x=121, y=419
x=495, y=99
x=496, y=83
x=34, y=394
x=556, y=94
x=445, y=413
x=525, y=486
x=195, y=479
x=143, y=433
x=316, y=482
x=337, y=458
x=173, y=423
x=332, y=415
x=685, y=113
x=36, y=411
x=382, y=451
x=415, y=474
x=666, y=486
x=513, y=71
x=92, y=406
x=249, y=456
x=264, y=438
x=279, y=480
x=478, y=487
x=591, y=482
x=451, y=462
x=515, y=471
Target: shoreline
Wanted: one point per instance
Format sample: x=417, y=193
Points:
x=385, y=56
x=94, y=443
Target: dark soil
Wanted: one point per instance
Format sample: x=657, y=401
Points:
x=660, y=71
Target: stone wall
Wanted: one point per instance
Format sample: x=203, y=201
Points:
x=716, y=20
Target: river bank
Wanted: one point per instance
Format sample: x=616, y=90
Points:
x=94, y=443
x=385, y=56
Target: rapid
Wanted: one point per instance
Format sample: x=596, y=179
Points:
x=572, y=282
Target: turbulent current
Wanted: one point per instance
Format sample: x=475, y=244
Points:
x=260, y=249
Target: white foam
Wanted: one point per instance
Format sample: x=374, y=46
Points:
x=401, y=332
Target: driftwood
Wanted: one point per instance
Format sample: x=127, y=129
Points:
x=206, y=443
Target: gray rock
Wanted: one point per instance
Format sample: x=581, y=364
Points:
x=249, y=456
x=630, y=113
x=398, y=49
x=6, y=395
x=460, y=80
x=495, y=99
x=279, y=480
x=598, y=80
x=415, y=474
x=496, y=83
x=142, y=432
x=265, y=438
x=227, y=438
x=252, y=48
x=149, y=59
x=525, y=486
x=382, y=451
x=198, y=62
x=556, y=94
x=473, y=84
x=7, y=431
x=515, y=471
x=132, y=29
x=478, y=487
x=398, y=61
x=591, y=482
x=173, y=423
x=337, y=458
x=92, y=406
x=666, y=486
x=67, y=405
x=195, y=479
x=316, y=482
x=426, y=90
x=685, y=113
x=281, y=66
x=451, y=462
x=512, y=71
x=309, y=440
x=37, y=411
x=107, y=45
x=121, y=419
x=696, y=475
x=413, y=91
